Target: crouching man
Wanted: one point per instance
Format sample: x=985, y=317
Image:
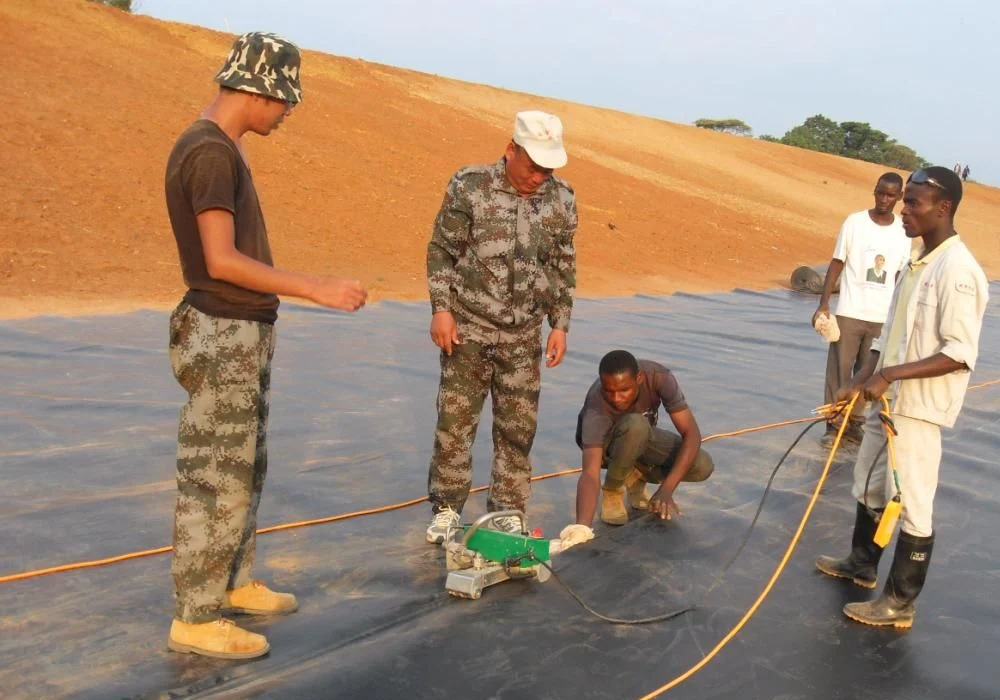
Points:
x=616, y=431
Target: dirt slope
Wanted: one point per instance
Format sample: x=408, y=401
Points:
x=94, y=99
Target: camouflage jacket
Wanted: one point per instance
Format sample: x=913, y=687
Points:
x=500, y=260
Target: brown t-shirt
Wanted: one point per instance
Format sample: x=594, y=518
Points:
x=206, y=171
x=597, y=416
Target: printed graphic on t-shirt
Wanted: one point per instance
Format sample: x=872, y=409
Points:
x=875, y=272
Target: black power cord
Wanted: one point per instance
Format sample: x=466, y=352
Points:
x=718, y=579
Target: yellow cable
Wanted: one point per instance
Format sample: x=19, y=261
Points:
x=10, y=578
x=890, y=437
x=774, y=577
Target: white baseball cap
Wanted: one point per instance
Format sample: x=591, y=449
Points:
x=541, y=135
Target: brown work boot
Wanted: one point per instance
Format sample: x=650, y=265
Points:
x=635, y=486
x=257, y=599
x=220, y=639
x=854, y=433
x=613, y=510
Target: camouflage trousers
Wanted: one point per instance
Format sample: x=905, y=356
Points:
x=507, y=366
x=225, y=367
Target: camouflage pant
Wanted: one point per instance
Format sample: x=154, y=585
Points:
x=510, y=370
x=225, y=366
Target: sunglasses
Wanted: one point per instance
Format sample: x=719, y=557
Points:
x=921, y=177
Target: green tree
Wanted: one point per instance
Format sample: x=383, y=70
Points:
x=124, y=5
x=817, y=133
x=863, y=142
x=857, y=140
x=903, y=157
x=769, y=138
x=726, y=126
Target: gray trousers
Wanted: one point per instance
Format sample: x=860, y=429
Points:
x=635, y=443
x=846, y=357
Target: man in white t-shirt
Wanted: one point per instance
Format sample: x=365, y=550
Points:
x=871, y=249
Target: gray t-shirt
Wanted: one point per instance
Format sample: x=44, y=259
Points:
x=598, y=416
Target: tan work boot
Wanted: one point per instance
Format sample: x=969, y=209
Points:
x=635, y=486
x=613, y=510
x=257, y=599
x=220, y=639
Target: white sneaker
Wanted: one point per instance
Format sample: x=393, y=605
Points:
x=443, y=521
x=509, y=523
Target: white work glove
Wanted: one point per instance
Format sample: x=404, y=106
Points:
x=826, y=326
x=570, y=536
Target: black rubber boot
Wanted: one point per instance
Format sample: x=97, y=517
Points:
x=895, y=606
x=861, y=565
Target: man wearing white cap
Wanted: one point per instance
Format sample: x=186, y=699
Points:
x=500, y=259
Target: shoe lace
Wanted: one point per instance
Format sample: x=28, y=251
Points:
x=444, y=517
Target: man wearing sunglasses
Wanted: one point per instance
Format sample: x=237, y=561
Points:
x=871, y=248
x=921, y=363
x=221, y=344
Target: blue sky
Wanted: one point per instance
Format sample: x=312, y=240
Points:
x=918, y=70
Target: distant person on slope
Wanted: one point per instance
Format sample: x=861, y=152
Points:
x=871, y=242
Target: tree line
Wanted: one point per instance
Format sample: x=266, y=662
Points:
x=850, y=139
x=125, y=5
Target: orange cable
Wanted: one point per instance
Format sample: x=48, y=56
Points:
x=10, y=578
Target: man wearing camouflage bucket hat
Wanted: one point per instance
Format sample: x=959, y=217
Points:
x=221, y=344
x=263, y=64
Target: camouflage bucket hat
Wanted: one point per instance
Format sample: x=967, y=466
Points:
x=264, y=64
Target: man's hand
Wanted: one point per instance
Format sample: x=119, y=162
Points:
x=444, y=331
x=662, y=503
x=823, y=309
x=875, y=386
x=343, y=294
x=870, y=390
x=575, y=534
x=555, y=348
x=847, y=392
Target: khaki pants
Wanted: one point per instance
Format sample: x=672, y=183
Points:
x=918, y=458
